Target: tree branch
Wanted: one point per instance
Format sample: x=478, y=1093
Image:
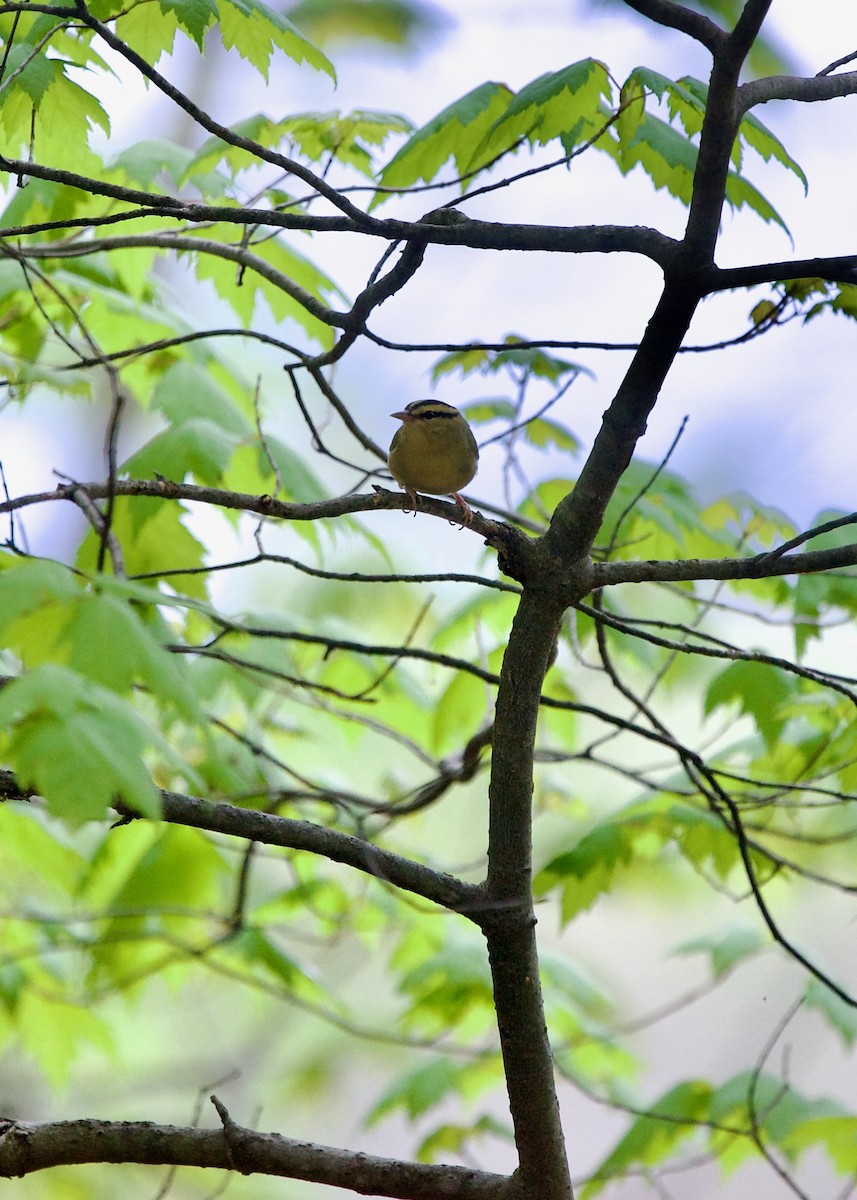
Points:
x=710, y=647
x=515, y=549
x=805, y=90
x=375, y=293
x=578, y=516
x=840, y=268
x=265, y=506
x=717, y=140
x=760, y=566
x=747, y=28
x=685, y=20
x=509, y=920
x=195, y=245
x=523, y=551
x=255, y=826
x=462, y=231
x=25, y=168
x=25, y=1148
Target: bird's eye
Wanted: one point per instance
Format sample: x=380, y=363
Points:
x=428, y=416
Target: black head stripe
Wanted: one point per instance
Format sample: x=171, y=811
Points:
x=427, y=410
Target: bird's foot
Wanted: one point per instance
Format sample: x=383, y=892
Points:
x=466, y=511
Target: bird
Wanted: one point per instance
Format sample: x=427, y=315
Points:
x=434, y=451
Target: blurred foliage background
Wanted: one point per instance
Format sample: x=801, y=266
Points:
x=144, y=966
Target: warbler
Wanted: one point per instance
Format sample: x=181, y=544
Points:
x=433, y=451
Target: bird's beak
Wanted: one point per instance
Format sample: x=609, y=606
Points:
x=403, y=416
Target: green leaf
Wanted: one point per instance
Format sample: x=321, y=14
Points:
x=475, y=359
x=397, y=23
x=686, y=100
x=144, y=161
x=632, y=106
x=727, y=950
x=636, y=834
x=150, y=28
x=419, y=1090
x=448, y=987
x=838, y=1015
x=197, y=447
x=171, y=868
x=740, y=192
x=816, y=595
x=651, y=1139
x=683, y=98
x=57, y=116
x=206, y=426
x=104, y=10
x=31, y=849
x=41, y=199
x=255, y=947
x=450, y=1139
x=354, y=137
x=275, y=258
x=214, y=150
x=28, y=584
x=37, y=76
x=299, y=482
x=762, y=312
x=586, y=872
x=545, y=433
x=667, y=156
x=254, y=29
x=66, y=45
x=116, y=294
x=153, y=539
x=351, y=139
x=759, y=691
x=836, y=1134
x=751, y=131
x=190, y=391
x=110, y=644
x=454, y=133
x=56, y=1033
x=193, y=16
x=845, y=300
x=534, y=361
x=154, y=883
x=78, y=744
x=656, y=508
x=574, y=989
x=479, y=412
x=565, y=104
x=80, y=111
x=482, y=361
x=656, y=84
x=544, y=498
x=781, y=1114
x=460, y=711
x=761, y=139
